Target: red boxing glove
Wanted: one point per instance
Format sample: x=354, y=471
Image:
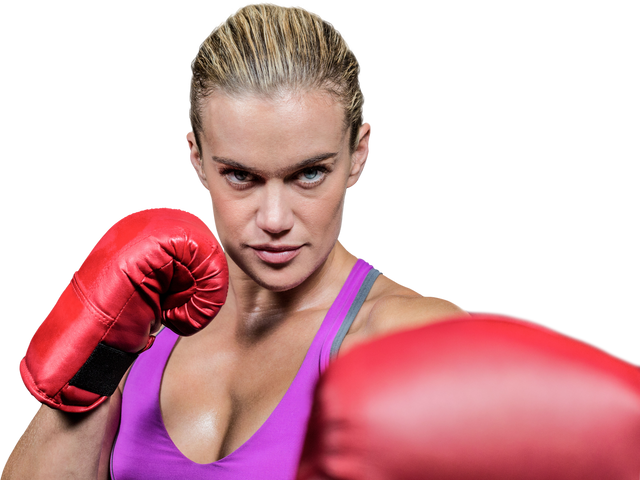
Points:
x=486, y=398
x=153, y=266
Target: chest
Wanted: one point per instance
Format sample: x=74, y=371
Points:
x=217, y=392
x=219, y=387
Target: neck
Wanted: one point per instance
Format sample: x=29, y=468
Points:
x=258, y=309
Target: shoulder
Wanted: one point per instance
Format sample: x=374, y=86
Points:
x=397, y=306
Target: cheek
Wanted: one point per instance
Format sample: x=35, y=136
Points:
x=224, y=210
x=323, y=216
x=230, y=215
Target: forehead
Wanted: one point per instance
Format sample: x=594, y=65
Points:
x=258, y=131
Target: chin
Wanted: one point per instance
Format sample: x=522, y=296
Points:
x=280, y=278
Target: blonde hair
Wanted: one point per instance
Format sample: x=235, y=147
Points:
x=271, y=50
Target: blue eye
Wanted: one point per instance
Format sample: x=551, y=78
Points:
x=239, y=175
x=315, y=174
x=307, y=178
x=311, y=173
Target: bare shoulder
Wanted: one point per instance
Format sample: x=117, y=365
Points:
x=396, y=306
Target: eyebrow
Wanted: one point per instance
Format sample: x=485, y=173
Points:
x=292, y=168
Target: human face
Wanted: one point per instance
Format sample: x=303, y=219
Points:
x=277, y=171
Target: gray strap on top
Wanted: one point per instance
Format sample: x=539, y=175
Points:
x=361, y=296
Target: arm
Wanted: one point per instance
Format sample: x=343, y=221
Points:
x=157, y=265
x=483, y=397
x=58, y=444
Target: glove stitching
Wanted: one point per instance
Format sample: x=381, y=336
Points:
x=102, y=317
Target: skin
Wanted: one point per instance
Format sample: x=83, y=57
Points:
x=276, y=207
x=277, y=171
x=252, y=152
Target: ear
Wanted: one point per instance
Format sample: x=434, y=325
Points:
x=360, y=154
x=196, y=159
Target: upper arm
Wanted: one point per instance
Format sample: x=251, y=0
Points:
x=399, y=312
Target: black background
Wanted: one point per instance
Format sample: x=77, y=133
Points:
x=496, y=177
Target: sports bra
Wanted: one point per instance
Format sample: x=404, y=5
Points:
x=143, y=449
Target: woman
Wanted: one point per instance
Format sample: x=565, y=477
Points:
x=277, y=138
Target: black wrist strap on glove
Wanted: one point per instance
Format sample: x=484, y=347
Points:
x=103, y=370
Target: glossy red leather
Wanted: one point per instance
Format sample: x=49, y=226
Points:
x=486, y=398
x=152, y=267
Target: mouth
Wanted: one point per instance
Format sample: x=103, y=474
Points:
x=276, y=254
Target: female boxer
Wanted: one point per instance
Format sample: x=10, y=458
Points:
x=276, y=112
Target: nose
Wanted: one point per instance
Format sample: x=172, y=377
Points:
x=274, y=211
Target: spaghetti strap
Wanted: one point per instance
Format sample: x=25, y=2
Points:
x=365, y=288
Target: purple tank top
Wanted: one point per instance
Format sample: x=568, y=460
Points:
x=143, y=449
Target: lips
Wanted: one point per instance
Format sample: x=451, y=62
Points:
x=276, y=254
x=275, y=248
